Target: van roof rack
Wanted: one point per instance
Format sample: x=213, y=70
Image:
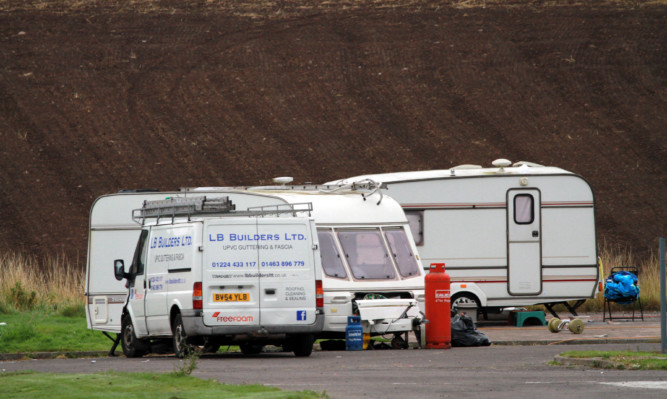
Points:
x=172, y=207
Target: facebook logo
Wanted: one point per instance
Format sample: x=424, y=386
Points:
x=301, y=315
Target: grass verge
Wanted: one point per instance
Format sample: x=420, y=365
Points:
x=143, y=385
x=39, y=332
x=622, y=359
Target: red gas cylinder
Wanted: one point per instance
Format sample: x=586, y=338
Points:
x=437, y=290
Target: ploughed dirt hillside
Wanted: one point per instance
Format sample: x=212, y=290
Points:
x=99, y=96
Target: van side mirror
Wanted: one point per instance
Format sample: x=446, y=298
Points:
x=119, y=269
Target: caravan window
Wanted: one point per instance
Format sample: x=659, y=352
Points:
x=331, y=260
x=416, y=222
x=400, y=248
x=523, y=209
x=366, y=254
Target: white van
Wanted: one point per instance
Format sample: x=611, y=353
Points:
x=204, y=274
x=365, y=243
x=509, y=235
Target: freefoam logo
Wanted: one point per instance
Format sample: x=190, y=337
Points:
x=231, y=319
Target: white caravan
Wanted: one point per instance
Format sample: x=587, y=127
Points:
x=366, y=247
x=511, y=235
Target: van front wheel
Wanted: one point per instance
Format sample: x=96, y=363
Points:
x=132, y=346
x=302, y=344
x=181, y=345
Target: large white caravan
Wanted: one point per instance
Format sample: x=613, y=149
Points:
x=366, y=246
x=511, y=235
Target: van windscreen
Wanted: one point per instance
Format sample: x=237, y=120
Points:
x=366, y=254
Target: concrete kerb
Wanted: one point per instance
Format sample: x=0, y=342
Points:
x=594, y=362
x=580, y=341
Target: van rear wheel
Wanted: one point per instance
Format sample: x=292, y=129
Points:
x=132, y=346
x=182, y=346
x=302, y=344
x=250, y=349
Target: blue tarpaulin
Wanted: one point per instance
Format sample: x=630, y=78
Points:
x=621, y=287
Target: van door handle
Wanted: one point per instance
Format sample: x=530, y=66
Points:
x=536, y=233
x=339, y=299
x=270, y=291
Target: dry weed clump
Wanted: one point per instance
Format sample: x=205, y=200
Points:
x=27, y=284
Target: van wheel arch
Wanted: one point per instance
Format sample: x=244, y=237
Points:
x=172, y=315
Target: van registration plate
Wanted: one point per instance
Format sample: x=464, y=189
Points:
x=236, y=297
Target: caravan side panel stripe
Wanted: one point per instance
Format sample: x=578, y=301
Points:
x=471, y=205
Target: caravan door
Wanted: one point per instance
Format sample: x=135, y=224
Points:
x=524, y=242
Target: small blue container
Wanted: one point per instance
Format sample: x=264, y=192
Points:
x=354, y=334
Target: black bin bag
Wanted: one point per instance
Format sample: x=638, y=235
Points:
x=464, y=332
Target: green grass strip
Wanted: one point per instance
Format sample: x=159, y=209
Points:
x=625, y=359
x=134, y=385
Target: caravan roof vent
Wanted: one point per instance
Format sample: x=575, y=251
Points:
x=501, y=163
x=466, y=166
x=283, y=180
x=526, y=163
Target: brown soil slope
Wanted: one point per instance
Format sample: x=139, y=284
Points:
x=101, y=98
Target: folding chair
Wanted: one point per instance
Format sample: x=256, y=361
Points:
x=634, y=301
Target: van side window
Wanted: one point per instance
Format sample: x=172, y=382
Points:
x=331, y=260
x=366, y=254
x=523, y=209
x=400, y=248
x=416, y=222
x=139, y=259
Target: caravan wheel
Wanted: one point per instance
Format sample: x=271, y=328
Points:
x=132, y=346
x=464, y=299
